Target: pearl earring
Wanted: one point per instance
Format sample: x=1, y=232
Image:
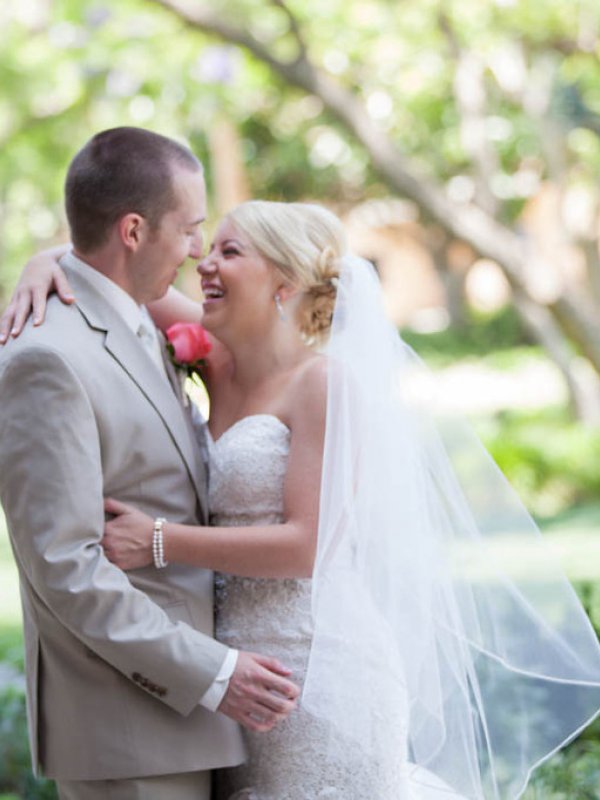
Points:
x=279, y=307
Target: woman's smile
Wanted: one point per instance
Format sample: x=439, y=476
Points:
x=212, y=293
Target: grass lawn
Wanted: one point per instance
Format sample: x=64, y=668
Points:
x=10, y=605
x=574, y=534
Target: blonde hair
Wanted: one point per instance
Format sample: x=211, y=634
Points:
x=305, y=242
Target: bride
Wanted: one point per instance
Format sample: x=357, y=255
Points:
x=362, y=538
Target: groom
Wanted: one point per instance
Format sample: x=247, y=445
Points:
x=123, y=674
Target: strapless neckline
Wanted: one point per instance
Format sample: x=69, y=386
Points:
x=244, y=420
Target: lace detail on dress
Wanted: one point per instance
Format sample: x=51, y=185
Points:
x=247, y=469
x=299, y=760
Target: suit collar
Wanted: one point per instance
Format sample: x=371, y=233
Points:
x=124, y=346
x=114, y=296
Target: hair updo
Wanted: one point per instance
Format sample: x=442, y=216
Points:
x=305, y=242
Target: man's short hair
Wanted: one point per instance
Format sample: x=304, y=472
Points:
x=120, y=171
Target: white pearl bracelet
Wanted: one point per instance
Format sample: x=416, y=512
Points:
x=158, y=547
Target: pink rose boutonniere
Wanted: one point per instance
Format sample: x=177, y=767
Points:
x=188, y=344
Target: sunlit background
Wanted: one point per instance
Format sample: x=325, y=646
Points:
x=459, y=140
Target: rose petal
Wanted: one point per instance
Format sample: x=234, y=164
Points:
x=190, y=342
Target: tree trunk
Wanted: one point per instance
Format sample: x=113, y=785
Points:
x=584, y=391
x=452, y=277
x=230, y=180
x=591, y=250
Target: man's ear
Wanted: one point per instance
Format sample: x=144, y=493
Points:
x=132, y=228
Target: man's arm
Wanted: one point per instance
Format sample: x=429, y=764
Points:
x=51, y=488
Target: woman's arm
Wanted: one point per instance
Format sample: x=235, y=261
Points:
x=43, y=275
x=174, y=307
x=269, y=551
x=40, y=277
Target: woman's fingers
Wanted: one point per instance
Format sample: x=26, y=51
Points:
x=108, y=549
x=115, y=507
x=39, y=301
x=16, y=313
x=23, y=302
x=36, y=298
x=63, y=287
x=6, y=322
x=32, y=298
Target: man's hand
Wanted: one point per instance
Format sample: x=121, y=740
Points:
x=259, y=693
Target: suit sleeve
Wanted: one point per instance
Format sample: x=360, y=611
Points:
x=51, y=489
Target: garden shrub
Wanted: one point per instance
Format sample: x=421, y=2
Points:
x=15, y=764
x=483, y=335
x=551, y=460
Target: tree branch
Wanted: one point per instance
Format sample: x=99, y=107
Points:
x=205, y=20
x=295, y=29
x=468, y=222
x=470, y=95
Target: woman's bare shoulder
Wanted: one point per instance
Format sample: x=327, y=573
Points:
x=307, y=391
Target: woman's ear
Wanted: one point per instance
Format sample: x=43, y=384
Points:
x=286, y=291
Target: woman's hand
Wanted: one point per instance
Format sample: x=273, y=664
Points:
x=41, y=276
x=127, y=539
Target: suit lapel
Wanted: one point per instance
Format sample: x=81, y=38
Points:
x=171, y=371
x=201, y=466
x=125, y=348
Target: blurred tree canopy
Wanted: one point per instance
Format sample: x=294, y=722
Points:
x=469, y=109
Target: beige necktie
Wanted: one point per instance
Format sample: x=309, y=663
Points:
x=148, y=336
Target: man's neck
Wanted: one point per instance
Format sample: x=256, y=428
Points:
x=110, y=265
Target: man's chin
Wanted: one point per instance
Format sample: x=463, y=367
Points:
x=159, y=292
x=151, y=297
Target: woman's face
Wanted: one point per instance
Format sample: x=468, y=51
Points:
x=238, y=285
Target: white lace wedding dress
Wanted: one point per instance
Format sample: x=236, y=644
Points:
x=247, y=466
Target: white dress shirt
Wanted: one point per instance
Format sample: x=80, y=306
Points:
x=139, y=321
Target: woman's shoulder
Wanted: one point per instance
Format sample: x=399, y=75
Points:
x=311, y=374
x=307, y=390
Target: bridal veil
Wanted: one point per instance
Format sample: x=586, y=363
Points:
x=444, y=630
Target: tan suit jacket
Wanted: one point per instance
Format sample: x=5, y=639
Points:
x=116, y=662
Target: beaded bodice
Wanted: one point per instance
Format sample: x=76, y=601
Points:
x=247, y=470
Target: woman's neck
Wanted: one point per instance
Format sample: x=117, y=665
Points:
x=254, y=361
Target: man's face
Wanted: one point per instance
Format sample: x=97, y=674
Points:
x=177, y=238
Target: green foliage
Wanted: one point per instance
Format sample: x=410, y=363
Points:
x=11, y=646
x=500, y=336
x=69, y=68
x=15, y=765
x=10, y=606
x=550, y=459
x=573, y=774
